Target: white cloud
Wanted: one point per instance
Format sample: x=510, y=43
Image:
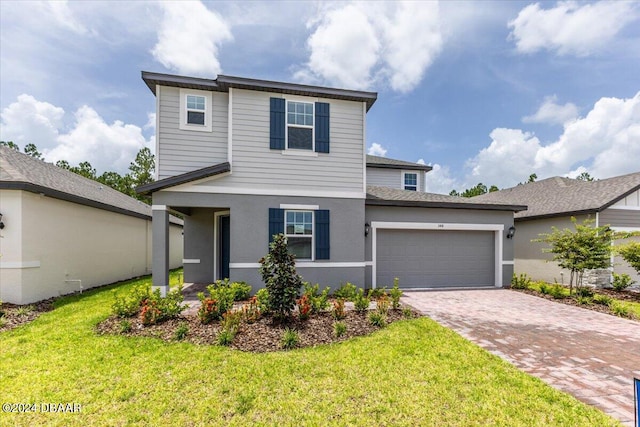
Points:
x=440, y=181
x=189, y=38
x=108, y=147
x=570, y=27
x=356, y=44
x=377, y=150
x=64, y=16
x=606, y=142
x=421, y=162
x=552, y=113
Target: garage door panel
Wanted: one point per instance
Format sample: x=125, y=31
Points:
x=435, y=258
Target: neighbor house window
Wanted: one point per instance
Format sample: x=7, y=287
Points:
x=195, y=110
x=298, y=228
x=300, y=125
x=410, y=181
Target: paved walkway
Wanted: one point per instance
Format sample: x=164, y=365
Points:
x=591, y=355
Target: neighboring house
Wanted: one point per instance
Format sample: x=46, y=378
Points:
x=63, y=233
x=553, y=201
x=245, y=159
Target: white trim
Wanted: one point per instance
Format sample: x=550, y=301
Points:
x=216, y=246
x=402, y=175
x=300, y=152
x=512, y=262
x=159, y=208
x=313, y=231
x=623, y=208
x=19, y=264
x=208, y=110
x=368, y=263
x=191, y=188
x=626, y=229
x=230, y=127
x=157, y=153
x=498, y=230
x=190, y=261
x=300, y=207
x=304, y=264
x=364, y=149
x=288, y=99
x=597, y=219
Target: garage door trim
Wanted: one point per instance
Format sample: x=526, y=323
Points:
x=498, y=230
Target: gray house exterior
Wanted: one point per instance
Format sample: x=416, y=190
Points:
x=552, y=202
x=245, y=159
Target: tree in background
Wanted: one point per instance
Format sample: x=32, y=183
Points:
x=584, y=176
x=474, y=191
x=10, y=144
x=631, y=253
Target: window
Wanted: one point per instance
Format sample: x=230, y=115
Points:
x=195, y=110
x=299, y=231
x=410, y=181
x=300, y=125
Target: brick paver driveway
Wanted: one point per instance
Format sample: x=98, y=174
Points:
x=591, y=355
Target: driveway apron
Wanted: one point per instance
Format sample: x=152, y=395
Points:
x=591, y=355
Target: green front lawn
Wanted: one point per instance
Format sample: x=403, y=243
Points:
x=413, y=372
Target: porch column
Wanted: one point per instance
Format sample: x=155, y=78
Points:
x=160, y=249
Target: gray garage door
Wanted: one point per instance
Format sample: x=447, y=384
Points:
x=431, y=258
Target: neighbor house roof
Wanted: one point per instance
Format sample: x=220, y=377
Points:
x=19, y=171
x=383, y=196
x=386, y=163
x=223, y=83
x=559, y=196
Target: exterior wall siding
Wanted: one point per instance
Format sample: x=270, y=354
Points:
x=632, y=200
x=391, y=178
x=250, y=239
x=182, y=151
x=620, y=218
x=74, y=242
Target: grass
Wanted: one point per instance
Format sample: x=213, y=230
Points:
x=413, y=372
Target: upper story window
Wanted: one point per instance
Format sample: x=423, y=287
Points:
x=410, y=181
x=298, y=228
x=300, y=125
x=195, y=110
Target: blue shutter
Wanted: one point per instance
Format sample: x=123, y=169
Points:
x=277, y=124
x=322, y=235
x=322, y=127
x=276, y=222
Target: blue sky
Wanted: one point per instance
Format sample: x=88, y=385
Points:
x=483, y=91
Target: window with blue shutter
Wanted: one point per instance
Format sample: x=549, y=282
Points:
x=322, y=127
x=276, y=222
x=322, y=234
x=277, y=124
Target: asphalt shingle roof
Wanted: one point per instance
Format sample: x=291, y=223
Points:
x=385, y=162
x=395, y=197
x=20, y=171
x=564, y=196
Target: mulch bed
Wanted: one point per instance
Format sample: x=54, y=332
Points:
x=626, y=295
x=261, y=336
x=16, y=315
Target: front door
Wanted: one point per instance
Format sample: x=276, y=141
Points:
x=224, y=245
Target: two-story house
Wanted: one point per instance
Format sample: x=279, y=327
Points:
x=244, y=159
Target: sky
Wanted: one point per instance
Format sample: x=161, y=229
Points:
x=486, y=92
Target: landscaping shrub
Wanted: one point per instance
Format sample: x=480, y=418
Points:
x=230, y=325
x=584, y=291
x=150, y=313
x=407, y=312
x=621, y=281
x=395, y=294
x=304, y=307
x=125, y=326
x=377, y=292
x=240, y=290
x=213, y=307
x=251, y=310
x=181, y=331
x=346, y=292
x=290, y=339
x=262, y=299
x=377, y=319
x=383, y=304
x=339, y=329
x=619, y=309
x=361, y=301
x=557, y=291
x=631, y=253
x=520, y=282
x=129, y=304
x=545, y=288
x=278, y=271
x=584, y=300
x=319, y=300
x=338, y=312
x=1, y=310
x=602, y=299
x=156, y=308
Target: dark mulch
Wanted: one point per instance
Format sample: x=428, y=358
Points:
x=261, y=336
x=620, y=295
x=16, y=315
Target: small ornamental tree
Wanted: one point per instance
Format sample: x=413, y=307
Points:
x=631, y=253
x=584, y=248
x=278, y=271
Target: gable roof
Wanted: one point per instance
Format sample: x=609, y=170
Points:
x=19, y=171
x=386, y=163
x=559, y=196
x=384, y=196
x=222, y=84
